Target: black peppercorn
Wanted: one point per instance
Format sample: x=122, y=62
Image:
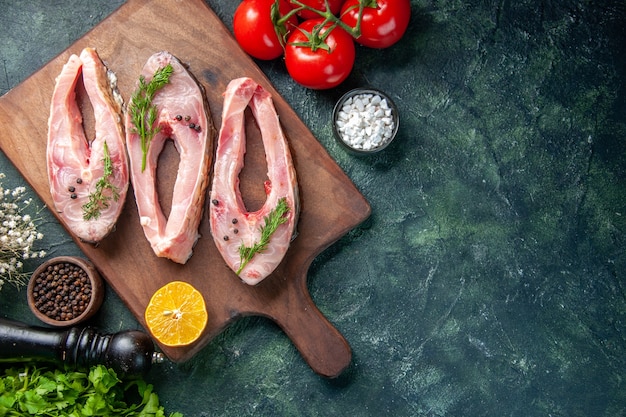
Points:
x=62, y=291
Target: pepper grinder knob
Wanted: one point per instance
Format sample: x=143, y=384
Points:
x=128, y=352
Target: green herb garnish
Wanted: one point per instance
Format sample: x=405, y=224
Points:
x=52, y=392
x=275, y=218
x=143, y=113
x=100, y=199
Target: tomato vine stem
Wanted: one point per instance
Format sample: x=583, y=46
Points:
x=314, y=40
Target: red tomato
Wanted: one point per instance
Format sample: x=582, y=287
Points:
x=381, y=26
x=319, y=69
x=334, y=5
x=254, y=30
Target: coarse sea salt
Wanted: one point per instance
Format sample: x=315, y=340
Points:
x=365, y=121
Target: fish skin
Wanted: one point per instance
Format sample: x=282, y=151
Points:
x=282, y=183
x=70, y=156
x=173, y=237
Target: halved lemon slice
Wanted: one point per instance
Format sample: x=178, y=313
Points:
x=176, y=314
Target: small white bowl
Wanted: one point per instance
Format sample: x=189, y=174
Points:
x=374, y=131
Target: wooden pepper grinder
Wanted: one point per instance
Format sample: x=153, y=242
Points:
x=128, y=353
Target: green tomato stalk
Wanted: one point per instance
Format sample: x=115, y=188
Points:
x=316, y=39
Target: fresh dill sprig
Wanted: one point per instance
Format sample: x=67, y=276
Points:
x=143, y=113
x=100, y=199
x=275, y=218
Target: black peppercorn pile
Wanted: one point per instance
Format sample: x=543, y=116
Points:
x=62, y=292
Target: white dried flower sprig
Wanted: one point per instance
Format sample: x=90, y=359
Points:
x=18, y=233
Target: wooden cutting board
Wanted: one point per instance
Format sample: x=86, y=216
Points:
x=330, y=203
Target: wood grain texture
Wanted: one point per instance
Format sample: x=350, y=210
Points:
x=331, y=205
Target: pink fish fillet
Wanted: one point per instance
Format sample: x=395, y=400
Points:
x=75, y=165
x=183, y=117
x=231, y=224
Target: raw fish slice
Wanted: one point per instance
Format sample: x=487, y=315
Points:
x=175, y=236
x=76, y=166
x=231, y=224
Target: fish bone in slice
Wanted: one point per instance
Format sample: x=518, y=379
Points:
x=88, y=178
x=182, y=116
x=232, y=226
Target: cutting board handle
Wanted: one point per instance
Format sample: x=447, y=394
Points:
x=321, y=345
